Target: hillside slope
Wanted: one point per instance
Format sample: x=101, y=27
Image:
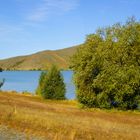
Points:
x=40, y=60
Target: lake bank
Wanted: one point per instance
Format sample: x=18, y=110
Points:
x=27, y=81
x=57, y=120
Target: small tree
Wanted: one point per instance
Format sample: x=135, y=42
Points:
x=51, y=85
x=1, y=69
x=41, y=82
x=3, y=80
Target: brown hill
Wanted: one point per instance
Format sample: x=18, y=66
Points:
x=40, y=60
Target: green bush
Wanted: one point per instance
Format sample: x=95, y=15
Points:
x=51, y=84
x=107, y=67
x=1, y=69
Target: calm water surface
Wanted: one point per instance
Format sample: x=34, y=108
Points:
x=28, y=81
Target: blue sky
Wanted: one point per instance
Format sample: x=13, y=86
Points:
x=29, y=26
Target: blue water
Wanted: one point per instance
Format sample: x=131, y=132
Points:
x=28, y=81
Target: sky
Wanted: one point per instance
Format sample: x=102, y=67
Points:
x=29, y=26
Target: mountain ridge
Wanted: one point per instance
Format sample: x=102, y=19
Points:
x=40, y=60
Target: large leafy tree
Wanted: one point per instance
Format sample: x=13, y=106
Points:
x=51, y=84
x=107, y=67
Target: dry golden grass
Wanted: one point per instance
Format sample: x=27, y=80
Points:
x=63, y=120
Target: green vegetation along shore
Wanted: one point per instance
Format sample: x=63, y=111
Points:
x=55, y=120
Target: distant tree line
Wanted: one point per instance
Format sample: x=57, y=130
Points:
x=107, y=67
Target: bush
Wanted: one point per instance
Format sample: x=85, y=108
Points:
x=1, y=69
x=107, y=67
x=51, y=85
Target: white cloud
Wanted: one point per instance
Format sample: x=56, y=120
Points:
x=31, y=13
x=128, y=1
x=51, y=7
x=10, y=29
x=13, y=33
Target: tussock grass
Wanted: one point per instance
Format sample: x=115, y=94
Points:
x=63, y=120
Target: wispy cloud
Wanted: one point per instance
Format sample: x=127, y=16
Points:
x=10, y=29
x=51, y=7
x=33, y=12
x=13, y=33
x=128, y=1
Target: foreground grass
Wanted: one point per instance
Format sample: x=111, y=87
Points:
x=63, y=120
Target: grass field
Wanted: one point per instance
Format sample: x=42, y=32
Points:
x=64, y=120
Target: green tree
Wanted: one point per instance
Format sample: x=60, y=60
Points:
x=1, y=69
x=3, y=80
x=51, y=84
x=41, y=82
x=107, y=67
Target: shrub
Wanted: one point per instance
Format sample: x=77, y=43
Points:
x=1, y=69
x=51, y=84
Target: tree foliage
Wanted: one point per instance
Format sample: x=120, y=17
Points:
x=107, y=67
x=1, y=69
x=3, y=80
x=51, y=84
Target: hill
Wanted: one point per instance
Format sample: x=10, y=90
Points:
x=40, y=60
